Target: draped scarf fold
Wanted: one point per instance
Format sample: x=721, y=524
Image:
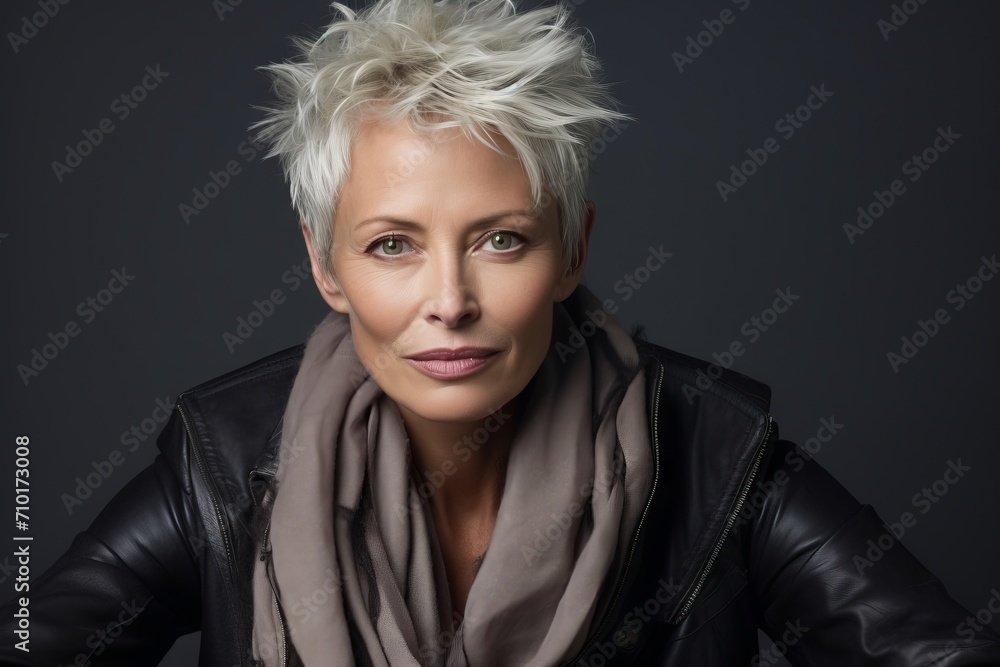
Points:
x=350, y=566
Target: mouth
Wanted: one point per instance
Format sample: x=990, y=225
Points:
x=446, y=354
x=446, y=364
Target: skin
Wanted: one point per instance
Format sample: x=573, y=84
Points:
x=445, y=281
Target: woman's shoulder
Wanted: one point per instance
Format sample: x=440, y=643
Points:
x=229, y=424
x=694, y=378
x=259, y=376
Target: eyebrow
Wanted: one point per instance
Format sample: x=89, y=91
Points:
x=480, y=223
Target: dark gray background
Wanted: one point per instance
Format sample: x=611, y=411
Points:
x=655, y=184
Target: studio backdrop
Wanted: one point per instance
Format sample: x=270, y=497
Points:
x=806, y=194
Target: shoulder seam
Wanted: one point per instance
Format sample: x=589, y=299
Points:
x=757, y=392
x=273, y=363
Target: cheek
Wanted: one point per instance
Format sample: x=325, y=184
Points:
x=521, y=304
x=381, y=312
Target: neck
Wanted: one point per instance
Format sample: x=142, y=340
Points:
x=461, y=466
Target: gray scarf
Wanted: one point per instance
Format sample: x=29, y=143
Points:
x=355, y=571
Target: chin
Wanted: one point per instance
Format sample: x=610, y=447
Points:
x=456, y=404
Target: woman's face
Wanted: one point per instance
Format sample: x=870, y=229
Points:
x=436, y=248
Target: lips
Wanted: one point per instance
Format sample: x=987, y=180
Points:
x=446, y=354
x=446, y=364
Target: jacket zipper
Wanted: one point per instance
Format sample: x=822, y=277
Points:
x=744, y=492
x=216, y=500
x=277, y=607
x=642, y=519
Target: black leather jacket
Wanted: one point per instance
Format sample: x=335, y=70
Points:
x=742, y=530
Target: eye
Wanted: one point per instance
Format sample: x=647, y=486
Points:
x=503, y=241
x=391, y=246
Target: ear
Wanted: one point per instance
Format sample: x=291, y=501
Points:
x=328, y=289
x=574, y=274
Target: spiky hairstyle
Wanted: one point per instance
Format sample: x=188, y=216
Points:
x=477, y=65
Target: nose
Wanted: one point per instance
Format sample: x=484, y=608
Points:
x=451, y=294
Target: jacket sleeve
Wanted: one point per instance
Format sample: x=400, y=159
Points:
x=836, y=587
x=126, y=588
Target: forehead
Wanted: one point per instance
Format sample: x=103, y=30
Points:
x=389, y=158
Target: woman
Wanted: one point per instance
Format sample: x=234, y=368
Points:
x=470, y=462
